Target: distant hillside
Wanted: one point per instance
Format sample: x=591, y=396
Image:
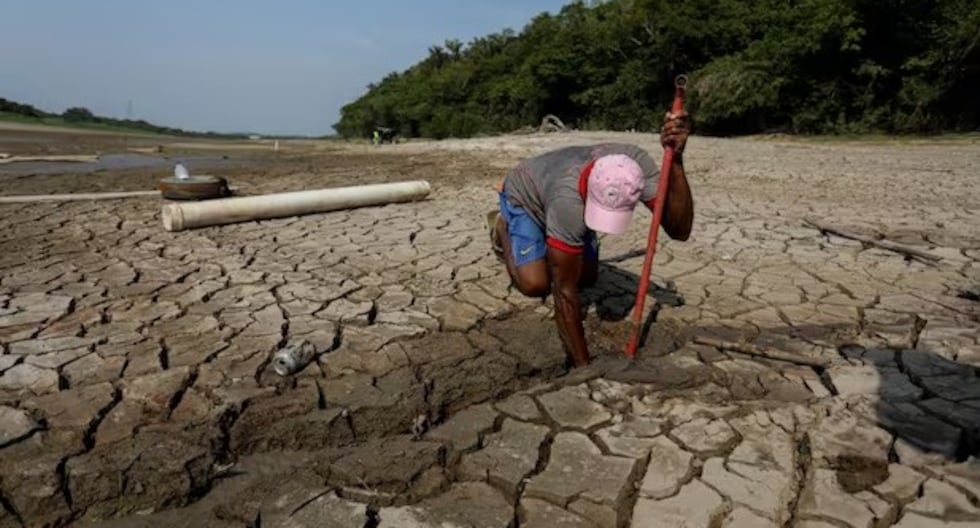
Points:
x=82, y=117
x=813, y=66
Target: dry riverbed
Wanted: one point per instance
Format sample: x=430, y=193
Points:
x=136, y=390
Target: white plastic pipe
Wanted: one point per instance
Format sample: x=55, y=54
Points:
x=75, y=196
x=180, y=216
x=85, y=158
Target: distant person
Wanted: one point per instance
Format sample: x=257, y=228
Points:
x=552, y=205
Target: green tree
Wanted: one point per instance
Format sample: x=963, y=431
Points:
x=77, y=114
x=803, y=66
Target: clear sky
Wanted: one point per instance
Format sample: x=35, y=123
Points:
x=276, y=67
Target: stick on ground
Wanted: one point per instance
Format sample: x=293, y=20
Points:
x=757, y=351
x=883, y=244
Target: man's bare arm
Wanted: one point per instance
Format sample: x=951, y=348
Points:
x=565, y=271
x=678, y=216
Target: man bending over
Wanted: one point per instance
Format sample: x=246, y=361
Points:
x=552, y=205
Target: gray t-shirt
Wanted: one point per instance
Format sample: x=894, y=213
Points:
x=547, y=187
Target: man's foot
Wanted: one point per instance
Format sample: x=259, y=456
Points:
x=491, y=225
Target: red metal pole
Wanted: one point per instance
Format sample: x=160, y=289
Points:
x=658, y=210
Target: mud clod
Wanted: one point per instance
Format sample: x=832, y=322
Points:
x=856, y=474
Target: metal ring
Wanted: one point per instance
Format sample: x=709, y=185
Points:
x=681, y=81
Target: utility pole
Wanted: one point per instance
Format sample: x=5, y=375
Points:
x=129, y=117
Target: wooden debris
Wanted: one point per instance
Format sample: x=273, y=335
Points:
x=551, y=123
x=887, y=245
x=30, y=198
x=757, y=351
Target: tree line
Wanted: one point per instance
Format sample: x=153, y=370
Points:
x=84, y=116
x=795, y=66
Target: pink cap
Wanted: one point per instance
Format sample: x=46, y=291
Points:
x=614, y=188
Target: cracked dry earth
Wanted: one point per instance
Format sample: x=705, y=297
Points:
x=135, y=387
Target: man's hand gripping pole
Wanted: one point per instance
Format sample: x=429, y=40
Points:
x=680, y=84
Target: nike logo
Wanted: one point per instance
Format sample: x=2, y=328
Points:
x=526, y=250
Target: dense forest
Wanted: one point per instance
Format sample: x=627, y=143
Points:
x=796, y=66
x=84, y=117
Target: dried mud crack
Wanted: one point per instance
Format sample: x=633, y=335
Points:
x=136, y=388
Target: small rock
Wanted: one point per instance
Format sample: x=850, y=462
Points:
x=608, y=392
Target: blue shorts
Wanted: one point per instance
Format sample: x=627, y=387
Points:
x=527, y=240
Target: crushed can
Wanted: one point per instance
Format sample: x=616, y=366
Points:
x=293, y=357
